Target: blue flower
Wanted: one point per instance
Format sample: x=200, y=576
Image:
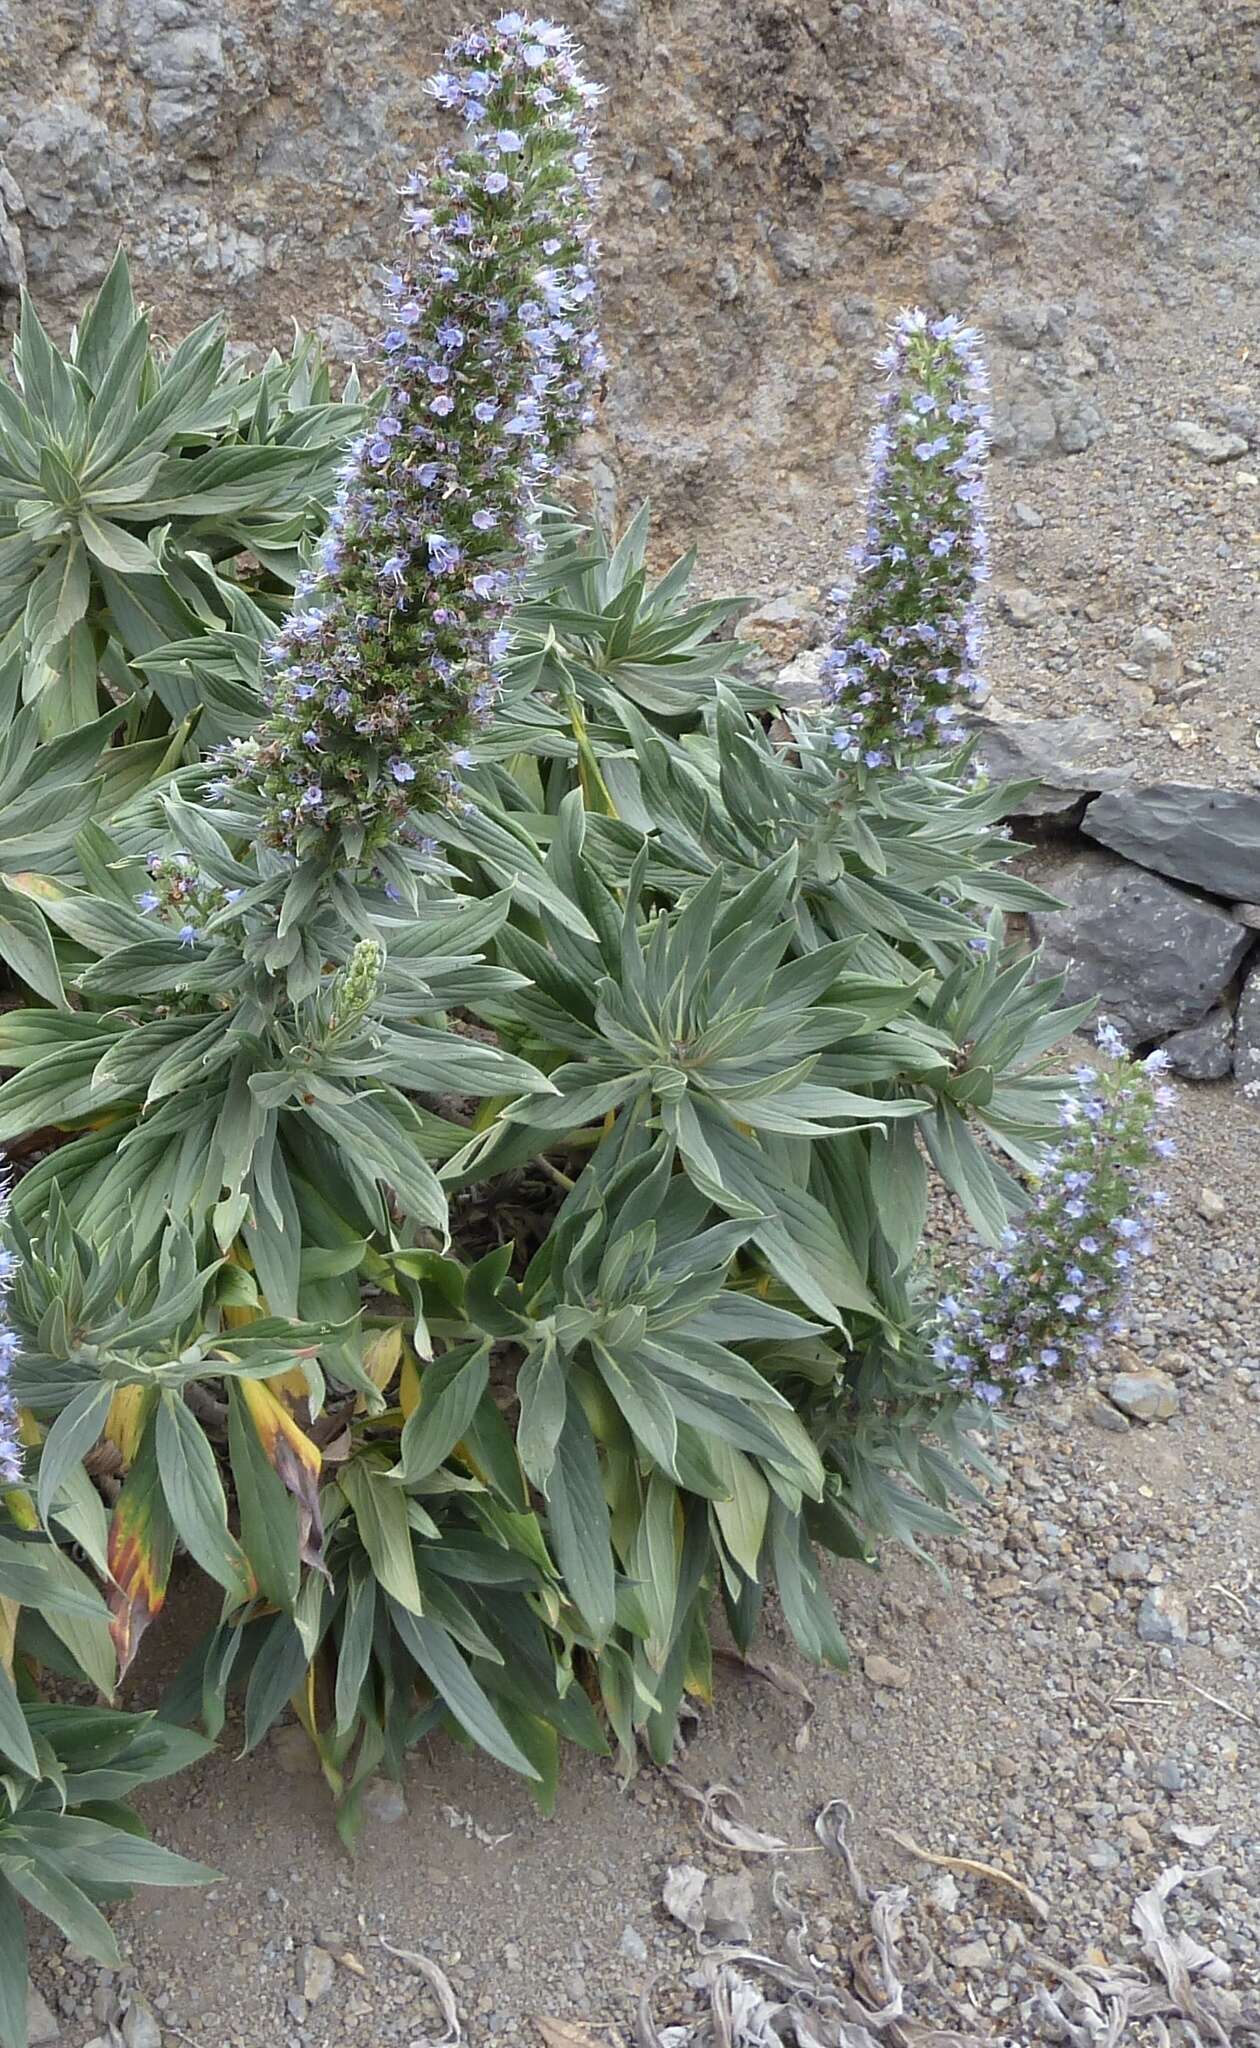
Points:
x=906, y=641
x=491, y=359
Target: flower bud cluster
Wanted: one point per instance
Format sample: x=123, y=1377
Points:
x=352, y=991
x=181, y=895
x=906, y=648
x=1043, y=1303
x=390, y=659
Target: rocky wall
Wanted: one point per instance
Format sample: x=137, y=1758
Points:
x=778, y=178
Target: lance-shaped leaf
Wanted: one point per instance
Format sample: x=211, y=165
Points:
x=295, y=1459
x=141, y=1546
x=194, y=1495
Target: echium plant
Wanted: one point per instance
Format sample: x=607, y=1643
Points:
x=391, y=657
x=906, y=647
x=1040, y=1305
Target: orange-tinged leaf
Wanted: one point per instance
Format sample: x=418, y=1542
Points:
x=141, y=1546
x=295, y=1458
x=124, y=1425
x=292, y=1385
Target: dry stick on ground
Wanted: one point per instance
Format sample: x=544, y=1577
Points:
x=1226, y=1706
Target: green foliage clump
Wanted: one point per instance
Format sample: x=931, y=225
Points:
x=69, y=1840
x=154, y=505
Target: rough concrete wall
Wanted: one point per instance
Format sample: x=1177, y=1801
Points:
x=778, y=177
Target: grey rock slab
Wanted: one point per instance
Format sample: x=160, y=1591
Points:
x=316, y=1972
x=1204, y=442
x=799, y=685
x=1163, y=1617
x=1206, y=1051
x=1063, y=755
x=1103, y=1416
x=1156, y=958
x=1146, y=1396
x=1188, y=830
x=139, y=2027
x=42, y=2025
x=1247, y=1030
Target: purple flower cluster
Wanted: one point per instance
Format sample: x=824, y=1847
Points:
x=10, y=1440
x=907, y=644
x=181, y=895
x=389, y=661
x=1041, y=1305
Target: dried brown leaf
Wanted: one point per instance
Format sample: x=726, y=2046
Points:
x=724, y=1827
x=993, y=1871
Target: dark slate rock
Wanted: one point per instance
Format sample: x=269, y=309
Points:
x=1247, y=1030
x=1156, y=958
x=1063, y=755
x=1210, y=837
x=1204, y=1052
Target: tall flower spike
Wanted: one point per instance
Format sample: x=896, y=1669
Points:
x=389, y=661
x=10, y=1442
x=1041, y=1305
x=907, y=644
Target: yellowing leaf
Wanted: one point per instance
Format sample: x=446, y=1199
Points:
x=381, y=1357
x=141, y=1546
x=32, y=884
x=295, y=1458
x=22, y=1508
x=409, y=1391
x=124, y=1425
x=9, y=1612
